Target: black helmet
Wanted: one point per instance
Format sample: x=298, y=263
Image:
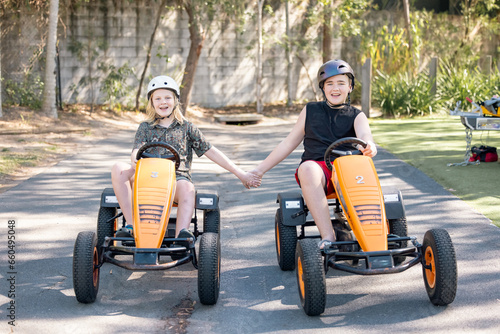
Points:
x=334, y=67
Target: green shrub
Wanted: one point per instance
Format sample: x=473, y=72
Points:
x=494, y=83
x=457, y=83
x=28, y=93
x=114, y=84
x=403, y=94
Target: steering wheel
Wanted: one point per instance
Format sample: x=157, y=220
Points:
x=174, y=156
x=332, y=152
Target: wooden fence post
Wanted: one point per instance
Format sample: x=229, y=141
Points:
x=366, y=89
x=433, y=67
x=485, y=64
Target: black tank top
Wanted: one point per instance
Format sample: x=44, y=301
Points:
x=324, y=125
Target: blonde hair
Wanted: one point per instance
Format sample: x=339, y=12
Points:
x=151, y=114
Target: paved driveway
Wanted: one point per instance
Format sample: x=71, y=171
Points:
x=47, y=212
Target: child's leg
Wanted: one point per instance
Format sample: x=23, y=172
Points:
x=122, y=178
x=184, y=197
x=312, y=181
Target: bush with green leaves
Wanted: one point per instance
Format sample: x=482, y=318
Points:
x=403, y=94
x=28, y=93
x=114, y=86
x=457, y=83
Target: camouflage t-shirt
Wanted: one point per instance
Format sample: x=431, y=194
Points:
x=185, y=138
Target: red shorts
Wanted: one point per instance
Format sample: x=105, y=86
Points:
x=328, y=175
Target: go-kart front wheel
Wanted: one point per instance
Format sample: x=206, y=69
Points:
x=440, y=270
x=211, y=221
x=286, y=242
x=399, y=227
x=209, y=268
x=310, y=277
x=85, y=267
x=105, y=228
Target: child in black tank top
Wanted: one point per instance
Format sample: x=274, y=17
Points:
x=320, y=124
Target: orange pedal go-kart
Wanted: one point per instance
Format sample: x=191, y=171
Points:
x=153, y=245
x=371, y=234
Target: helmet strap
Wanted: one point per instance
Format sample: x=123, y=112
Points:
x=160, y=118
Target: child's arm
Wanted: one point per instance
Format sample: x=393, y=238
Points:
x=362, y=128
x=284, y=148
x=222, y=160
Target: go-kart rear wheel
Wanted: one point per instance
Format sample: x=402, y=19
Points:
x=85, y=267
x=310, y=277
x=209, y=268
x=105, y=229
x=211, y=221
x=399, y=227
x=440, y=276
x=286, y=242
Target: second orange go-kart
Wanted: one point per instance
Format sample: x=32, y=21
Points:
x=371, y=234
x=153, y=245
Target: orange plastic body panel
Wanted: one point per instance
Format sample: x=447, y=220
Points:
x=154, y=190
x=332, y=196
x=358, y=189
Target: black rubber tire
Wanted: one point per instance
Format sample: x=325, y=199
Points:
x=286, y=243
x=105, y=229
x=399, y=227
x=85, y=267
x=310, y=275
x=441, y=280
x=209, y=268
x=211, y=221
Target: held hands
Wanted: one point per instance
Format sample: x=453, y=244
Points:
x=251, y=179
x=256, y=178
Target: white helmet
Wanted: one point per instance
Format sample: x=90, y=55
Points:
x=165, y=82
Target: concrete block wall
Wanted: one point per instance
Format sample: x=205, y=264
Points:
x=226, y=73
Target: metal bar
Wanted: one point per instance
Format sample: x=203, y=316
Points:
x=379, y=271
x=115, y=217
x=363, y=255
x=134, y=250
x=131, y=266
x=108, y=240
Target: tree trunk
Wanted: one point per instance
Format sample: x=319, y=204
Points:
x=260, y=107
x=406, y=5
x=299, y=54
x=311, y=82
x=49, y=88
x=327, y=34
x=197, y=37
x=1, y=114
x=148, y=56
x=288, y=57
x=90, y=50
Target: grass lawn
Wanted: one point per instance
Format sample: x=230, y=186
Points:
x=429, y=144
